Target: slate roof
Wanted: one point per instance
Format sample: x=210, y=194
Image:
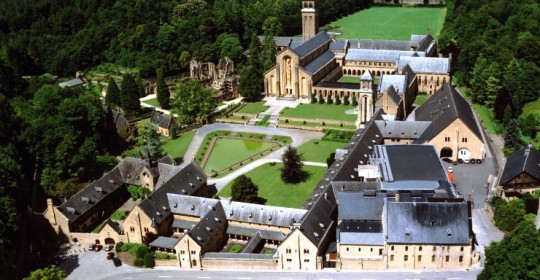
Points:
x=398, y=82
x=318, y=63
x=210, y=226
x=394, y=96
x=164, y=242
x=353, y=86
x=71, y=83
x=318, y=221
x=442, y=108
x=183, y=224
x=339, y=45
x=90, y=196
x=402, y=129
x=166, y=172
x=427, y=223
x=436, y=65
x=161, y=120
x=131, y=169
x=381, y=44
x=265, y=234
x=361, y=238
x=366, y=76
x=253, y=243
x=187, y=181
x=312, y=44
x=416, y=40
x=356, y=206
x=526, y=160
x=120, y=121
x=378, y=55
x=115, y=226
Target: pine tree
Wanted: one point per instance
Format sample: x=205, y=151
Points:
x=129, y=95
x=321, y=99
x=251, y=76
x=329, y=99
x=150, y=141
x=244, y=190
x=511, y=135
x=163, y=94
x=112, y=99
x=291, y=172
x=269, y=52
x=338, y=100
x=312, y=96
x=354, y=102
x=346, y=102
x=507, y=115
x=493, y=88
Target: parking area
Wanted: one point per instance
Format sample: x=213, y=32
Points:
x=80, y=263
x=471, y=179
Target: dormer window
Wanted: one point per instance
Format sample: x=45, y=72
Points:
x=449, y=233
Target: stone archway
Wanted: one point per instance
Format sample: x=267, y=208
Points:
x=109, y=241
x=446, y=152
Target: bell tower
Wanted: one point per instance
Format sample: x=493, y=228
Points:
x=365, y=102
x=310, y=19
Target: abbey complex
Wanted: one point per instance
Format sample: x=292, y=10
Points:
x=373, y=209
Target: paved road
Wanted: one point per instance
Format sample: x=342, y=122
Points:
x=471, y=179
x=272, y=275
x=92, y=265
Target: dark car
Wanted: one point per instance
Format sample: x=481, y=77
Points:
x=91, y=247
x=117, y=262
x=110, y=255
x=98, y=248
x=445, y=159
x=108, y=247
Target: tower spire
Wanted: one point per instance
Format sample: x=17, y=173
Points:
x=310, y=19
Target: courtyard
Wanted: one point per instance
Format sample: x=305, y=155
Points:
x=320, y=111
x=228, y=151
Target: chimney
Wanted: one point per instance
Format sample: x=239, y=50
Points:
x=397, y=197
x=528, y=149
x=50, y=210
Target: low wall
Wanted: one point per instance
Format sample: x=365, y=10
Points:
x=226, y=120
x=240, y=263
x=83, y=237
x=317, y=121
x=247, y=116
x=313, y=128
x=170, y=263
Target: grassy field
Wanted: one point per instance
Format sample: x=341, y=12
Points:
x=319, y=150
x=275, y=191
x=154, y=102
x=532, y=108
x=322, y=111
x=488, y=119
x=420, y=99
x=230, y=151
x=177, y=147
x=253, y=108
x=349, y=79
x=391, y=23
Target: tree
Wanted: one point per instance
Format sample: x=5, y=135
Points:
x=244, y=190
x=150, y=141
x=251, y=84
x=493, y=88
x=329, y=99
x=507, y=116
x=47, y=274
x=511, y=135
x=292, y=172
x=192, y=102
x=112, y=99
x=346, y=102
x=149, y=261
x=321, y=99
x=528, y=125
x=163, y=94
x=231, y=47
x=312, y=97
x=129, y=95
x=338, y=101
x=509, y=214
x=354, y=102
x=269, y=52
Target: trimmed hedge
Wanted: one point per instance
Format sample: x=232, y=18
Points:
x=149, y=261
x=141, y=252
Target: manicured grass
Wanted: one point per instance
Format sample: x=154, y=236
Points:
x=164, y=256
x=275, y=191
x=319, y=150
x=99, y=227
x=206, y=143
x=119, y=215
x=177, y=147
x=268, y=251
x=253, y=108
x=264, y=121
x=420, y=99
x=487, y=117
x=283, y=139
x=321, y=111
x=154, y=102
x=235, y=248
x=532, y=108
x=391, y=23
x=230, y=151
x=349, y=79
x=131, y=248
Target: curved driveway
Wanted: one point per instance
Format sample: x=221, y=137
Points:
x=299, y=137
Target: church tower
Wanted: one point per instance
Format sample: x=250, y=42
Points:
x=310, y=19
x=365, y=102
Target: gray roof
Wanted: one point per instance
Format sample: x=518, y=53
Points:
x=318, y=63
x=398, y=82
x=402, y=129
x=115, y=226
x=378, y=55
x=339, y=45
x=183, y=224
x=526, y=160
x=265, y=234
x=91, y=196
x=131, y=169
x=416, y=40
x=366, y=76
x=295, y=44
x=71, y=83
x=356, y=206
x=164, y=242
x=187, y=181
x=318, y=222
x=427, y=223
x=322, y=38
x=161, y=120
x=394, y=96
x=166, y=172
x=436, y=65
x=442, y=108
x=212, y=225
x=381, y=44
x=253, y=243
x=361, y=238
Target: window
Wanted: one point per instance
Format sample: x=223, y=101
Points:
x=193, y=252
x=433, y=258
x=419, y=258
x=145, y=229
x=406, y=258
x=289, y=260
x=132, y=229
x=380, y=252
x=420, y=248
x=391, y=258
x=359, y=249
x=288, y=251
x=434, y=248
x=347, y=249
x=182, y=252
x=460, y=258
x=447, y=258
x=446, y=139
x=371, y=249
x=464, y=139
x=461, y=248
x=306, y=260
x=392, y=248
x=306, y=251
x=406, y=248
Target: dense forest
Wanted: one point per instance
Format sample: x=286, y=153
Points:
x=55, y=140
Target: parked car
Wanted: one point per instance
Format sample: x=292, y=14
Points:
x=117, y=262
x=450, y=169
x=108, y=247
x=91, y=247
x=98, y=248
x=445, y=159
x=110, y=255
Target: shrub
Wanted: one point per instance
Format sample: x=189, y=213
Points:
x=304, y=122
x=118, y=246
x=138, y=262
x=286, y=120
x=149, y=260
x=272, y=164
x=323, y=123
x=341, y=125
x=338, y=101
x=316, y=142
x=141, y=251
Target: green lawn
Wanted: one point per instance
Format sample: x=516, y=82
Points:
x=229, y=151
x=420, y=99
x=319, y=150
x=254, y=108
x=235, y=248
x=119, y=215
x=177, y=147
x=532, y=108
x=275, y=191
x=154, y=102
x=99, y=227
x=391, y=23
x=206, y=143
x=322, y=111
x=349, y=79
x=488, y=119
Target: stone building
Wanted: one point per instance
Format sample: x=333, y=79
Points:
x=521, y=173
x=221, y=77
x=164, y=124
